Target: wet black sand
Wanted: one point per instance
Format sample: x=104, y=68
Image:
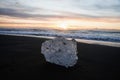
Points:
x=21, y=58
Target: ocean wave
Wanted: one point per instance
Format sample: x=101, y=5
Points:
x=112, y=36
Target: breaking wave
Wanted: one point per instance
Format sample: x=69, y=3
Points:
x=100, y=35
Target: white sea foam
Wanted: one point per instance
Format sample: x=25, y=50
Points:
x=109, y=38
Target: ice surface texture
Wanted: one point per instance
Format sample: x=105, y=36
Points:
x=60, y=51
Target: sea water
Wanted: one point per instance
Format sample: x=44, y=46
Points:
x=98, y=35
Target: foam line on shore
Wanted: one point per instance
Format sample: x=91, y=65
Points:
x=113, y=44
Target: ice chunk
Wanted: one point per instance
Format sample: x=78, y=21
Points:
x=60, y=51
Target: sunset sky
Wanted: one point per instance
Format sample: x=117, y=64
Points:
x=60, y=14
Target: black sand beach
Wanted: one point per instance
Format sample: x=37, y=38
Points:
x=21, y=58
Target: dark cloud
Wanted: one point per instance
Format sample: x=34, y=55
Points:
x=20, y=14
x=26, y=13
x=11, y=12
x=92, y=9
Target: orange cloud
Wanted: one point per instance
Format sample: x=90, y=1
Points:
x=52, y=23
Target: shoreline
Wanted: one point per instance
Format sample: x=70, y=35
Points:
x=105, y=43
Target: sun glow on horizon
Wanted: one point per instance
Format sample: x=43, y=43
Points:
x=63, y=26
x=68, y=15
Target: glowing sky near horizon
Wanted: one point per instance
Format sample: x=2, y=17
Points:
x=60, y=14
